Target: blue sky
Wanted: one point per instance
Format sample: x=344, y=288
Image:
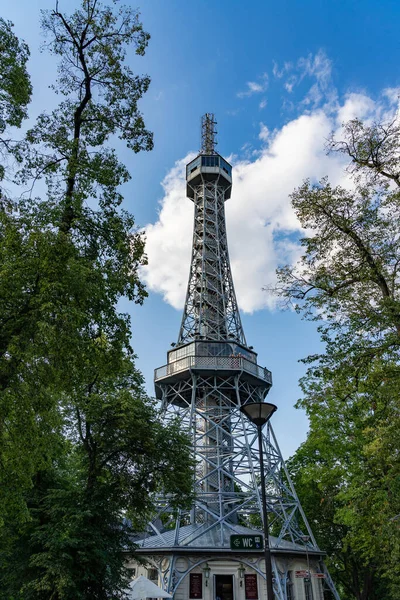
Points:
x=279, y=76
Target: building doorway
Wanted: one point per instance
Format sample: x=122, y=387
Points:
x=223, y=587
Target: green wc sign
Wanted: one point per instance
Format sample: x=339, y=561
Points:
x=247, y=542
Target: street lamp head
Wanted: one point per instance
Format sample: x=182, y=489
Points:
x=258, y=413
x=206, y=571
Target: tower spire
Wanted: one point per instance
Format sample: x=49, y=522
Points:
x=211, y=310
x=208, y=133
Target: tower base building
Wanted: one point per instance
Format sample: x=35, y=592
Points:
x=214, y=550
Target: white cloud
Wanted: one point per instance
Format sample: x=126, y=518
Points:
x=264, y=134
x=362, y=106
x=290, y=83
x=262, y=227
x=314, y=96
x=279, y=73
x=316, y=65
x=263, y=103
x=255, y=87
x=356, y=105
x=393, y=94
x=169, y=239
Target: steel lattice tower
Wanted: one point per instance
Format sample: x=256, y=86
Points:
x=211, y=310
x=210, y=373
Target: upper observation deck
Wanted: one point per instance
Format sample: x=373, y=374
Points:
x=224, y=358
x=208, y=168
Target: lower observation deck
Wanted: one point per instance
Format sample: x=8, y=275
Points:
x=225, y=365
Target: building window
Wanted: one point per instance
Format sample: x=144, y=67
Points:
x=182, y=352
x=152, y=574
x=210, y=161
x=192, y=167
x=226, y=167
x=307, y=589
x=289, y=586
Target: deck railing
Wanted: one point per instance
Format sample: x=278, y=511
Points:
x=236, y=363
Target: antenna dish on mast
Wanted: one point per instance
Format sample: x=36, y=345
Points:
x=208, y=133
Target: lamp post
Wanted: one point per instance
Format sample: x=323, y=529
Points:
x=260, y=413
x=306, y=539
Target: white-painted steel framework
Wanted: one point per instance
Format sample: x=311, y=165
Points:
x=210, y=374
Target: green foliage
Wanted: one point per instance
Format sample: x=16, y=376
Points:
x=119, y=456
x=348, y=471
x=15, y=86
x=67, y=146
x=347, y=477
x=57, y=298
x=82, y=452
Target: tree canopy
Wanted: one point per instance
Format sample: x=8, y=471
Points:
x=347, y=280
x=82, y=451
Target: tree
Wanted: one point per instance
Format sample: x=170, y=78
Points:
x=81, y=450
x=101, y=95
x=87, y=508
x=347, y=280
x=349, y=488
x=74, y=253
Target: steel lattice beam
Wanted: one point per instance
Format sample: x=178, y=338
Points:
x=211, y=309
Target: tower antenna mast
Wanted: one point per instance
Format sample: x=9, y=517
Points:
x=208, y=133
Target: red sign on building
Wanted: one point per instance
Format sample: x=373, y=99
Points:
x=250, y=586
x=196, y=586
x=301, y=573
